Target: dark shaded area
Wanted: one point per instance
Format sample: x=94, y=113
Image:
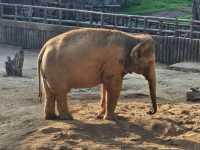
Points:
x=108, y=132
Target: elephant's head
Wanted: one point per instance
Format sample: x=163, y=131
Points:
x=142, y=61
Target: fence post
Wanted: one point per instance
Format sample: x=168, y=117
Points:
x=60, y=16
x=91, y=18
x=45, y=15
x=30, y=13
x=15, y=17
x=129, y=22
x=76, y=18
x=160, y=27
x=145, y=23
x=191, y=30
x=1, y=11
x=115, y=20
x=136, y=22
x=176, y=28
x=102, y=19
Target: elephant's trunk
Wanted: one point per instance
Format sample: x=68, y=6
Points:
x=151, y=77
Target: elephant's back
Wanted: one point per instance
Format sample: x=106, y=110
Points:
x=79, y=48
x=80, y=56
x=73, y=58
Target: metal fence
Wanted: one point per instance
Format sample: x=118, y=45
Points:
x=29, y=35
x=83, y=18
x=31, y=26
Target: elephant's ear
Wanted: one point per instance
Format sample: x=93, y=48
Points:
x=144, y=48
x=137, y=50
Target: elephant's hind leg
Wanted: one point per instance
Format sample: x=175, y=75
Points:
x=102, y=102
x=50, y=113
x=62, y=106
x=113, y=91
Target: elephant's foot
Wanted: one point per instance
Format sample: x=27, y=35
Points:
x=110, y=117
x=100, y=115
x=51, y=117
x=65, y=116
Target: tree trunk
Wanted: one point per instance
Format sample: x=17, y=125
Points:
x=14, y=66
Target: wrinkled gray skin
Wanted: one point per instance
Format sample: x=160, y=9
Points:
x=87, y=57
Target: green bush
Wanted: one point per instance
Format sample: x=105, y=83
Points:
x=148, y=6
x=134, y=2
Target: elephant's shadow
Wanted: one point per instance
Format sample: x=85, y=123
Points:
x=108, y=133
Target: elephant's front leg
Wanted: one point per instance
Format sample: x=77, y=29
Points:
x=113, y=87
x=102, y=102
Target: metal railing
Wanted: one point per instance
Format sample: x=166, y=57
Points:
x=131, y=23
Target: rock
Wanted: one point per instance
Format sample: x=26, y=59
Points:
x=193, y=95
x=186, y=112
x=49, y=130
x=166, y=128
x=186, y=67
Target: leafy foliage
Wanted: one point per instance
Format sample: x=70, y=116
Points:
x=147, y=6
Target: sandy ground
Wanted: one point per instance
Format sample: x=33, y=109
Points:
x=175, y=126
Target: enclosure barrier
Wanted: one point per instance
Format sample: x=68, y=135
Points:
x=83, y=18
x=31, y=35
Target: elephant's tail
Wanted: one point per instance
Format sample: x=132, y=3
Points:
x=39, y=73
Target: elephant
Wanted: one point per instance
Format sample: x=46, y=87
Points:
x=87, y=57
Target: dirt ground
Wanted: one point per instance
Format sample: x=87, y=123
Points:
x=176, y=125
